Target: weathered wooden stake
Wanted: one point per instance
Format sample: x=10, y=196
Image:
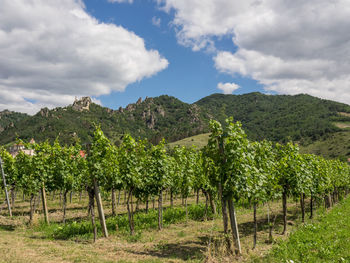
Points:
x=118, y=198
x=43, y=197
x=113, y=201
x=5, y=187
x=100, y=208
x=160, y=211
x=234, y=227
x=255, y=227
x=91, y=210
x=130, y=213
x=32, y=205
x=64, y=206
x=13, y=196
x=284, y=204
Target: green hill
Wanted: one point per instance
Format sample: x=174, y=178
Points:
x=318, y=125
x=279, y=117
x=333, y=146
x=153, y=118
x=9, y=118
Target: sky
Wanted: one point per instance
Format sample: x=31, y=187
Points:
x=116, y=51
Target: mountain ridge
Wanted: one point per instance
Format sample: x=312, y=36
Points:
x=152, y=118
x=301, y=117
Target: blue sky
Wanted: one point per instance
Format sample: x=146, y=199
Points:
x=190, y=76
x=116, y=51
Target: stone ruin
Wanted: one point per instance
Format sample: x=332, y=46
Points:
x=82, y=104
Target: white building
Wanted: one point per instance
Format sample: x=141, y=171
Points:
x=16, y=148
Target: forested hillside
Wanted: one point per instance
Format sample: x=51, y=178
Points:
x=301, y=118
x=278, y=117
x=153, y=118
x=9, y=118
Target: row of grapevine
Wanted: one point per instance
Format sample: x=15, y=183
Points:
x=262, y=171
x=229, y=170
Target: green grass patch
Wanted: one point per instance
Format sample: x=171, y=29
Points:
x=336, y=145
x=199, y=141
x=120, y=223
x=325, y=240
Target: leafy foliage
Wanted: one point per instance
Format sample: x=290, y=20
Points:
x=230, y=167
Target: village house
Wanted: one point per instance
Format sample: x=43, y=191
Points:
x=16, y=148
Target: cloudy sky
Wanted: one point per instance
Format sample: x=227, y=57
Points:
x=119, y=50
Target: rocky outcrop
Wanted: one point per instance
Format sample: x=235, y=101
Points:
x=5, y=112
x=151, y=122
x=82, y=105
x=139, y=101
x=193, y=111
x=44, y=112
x=160, y=110
x=130, y=107
x=146, y=113
x=149, y=100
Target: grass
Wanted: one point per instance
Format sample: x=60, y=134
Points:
x=342, y=125
x=336, y=145
x=192, y=240
x=325, y=240
x=199, y=141
x=346, y=114
x=143, y=221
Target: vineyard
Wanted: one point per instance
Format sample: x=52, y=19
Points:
x=229, y=172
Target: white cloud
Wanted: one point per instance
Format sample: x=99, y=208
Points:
x=52, y=51
x=121, y=1
x=289, y=46
x=227, y=88
x=156, y=21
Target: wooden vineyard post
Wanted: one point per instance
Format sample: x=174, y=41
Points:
x=160, y=210
x=5, y=187
x=43, y=197
x=220, y=143
x=113, y=201
x=91, y=210
x=234, y=226
x=284, y=204
x=100, y=208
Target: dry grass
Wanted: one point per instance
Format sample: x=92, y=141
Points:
x=342, y=125
x=346, y=114
x=191, y=241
